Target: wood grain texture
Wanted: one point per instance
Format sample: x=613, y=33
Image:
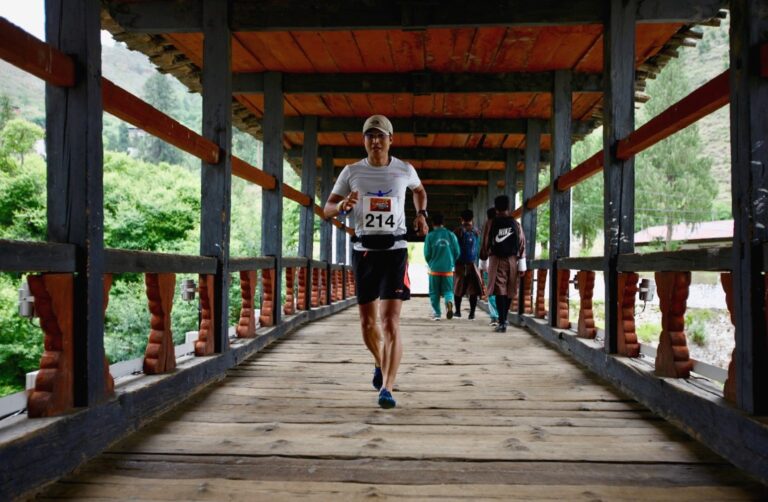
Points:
x=492, y=416
x=53, y=392
x=160, y=356
x=586, y=325
x=246, y=326
x=672, y=357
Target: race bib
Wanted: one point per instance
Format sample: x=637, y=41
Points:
x=379, y=215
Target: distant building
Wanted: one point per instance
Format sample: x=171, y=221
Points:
x=704, y=234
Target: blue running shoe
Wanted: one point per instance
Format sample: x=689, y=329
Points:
x=386, y=400
x=378, y=378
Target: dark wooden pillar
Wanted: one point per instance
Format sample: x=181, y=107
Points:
x=216, y=179
x=530, y=187
x=618, y=175
x=307, y=216
x=272, y=200
x=75, y=183
x=326, y=185
x=493, y=188
x=510, y=176
x=560, y=202
x=749, y=181
x=308, y=184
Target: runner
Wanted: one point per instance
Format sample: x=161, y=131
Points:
x=374, y=191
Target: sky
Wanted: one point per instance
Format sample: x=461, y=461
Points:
x=28, y=14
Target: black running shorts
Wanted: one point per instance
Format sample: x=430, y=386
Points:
x=381, y=274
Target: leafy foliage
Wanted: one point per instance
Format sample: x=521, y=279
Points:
x=18, y=137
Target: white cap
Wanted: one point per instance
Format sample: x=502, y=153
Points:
x=379, y=122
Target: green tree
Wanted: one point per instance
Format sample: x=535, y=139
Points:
x=18, y=137
x=6, y=110
x=158, y=92
x=587, y=211
x=673, y=179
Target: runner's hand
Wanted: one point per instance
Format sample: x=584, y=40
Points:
x=420, y=225
x=348, y=202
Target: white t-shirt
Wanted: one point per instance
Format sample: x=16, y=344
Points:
x=380, y=208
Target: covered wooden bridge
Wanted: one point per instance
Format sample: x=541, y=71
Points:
x=480, y=94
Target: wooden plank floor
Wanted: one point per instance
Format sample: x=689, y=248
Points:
x=480, y=415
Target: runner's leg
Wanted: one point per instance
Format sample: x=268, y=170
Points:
x=370, y=328
x=393, y=348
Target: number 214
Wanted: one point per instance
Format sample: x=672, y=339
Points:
x=370, y=219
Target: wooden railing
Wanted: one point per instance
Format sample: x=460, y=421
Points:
x=53, y=266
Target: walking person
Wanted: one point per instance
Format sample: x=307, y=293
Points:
x=374, y=191
x=492, y=312
x=466, y=274
x=504, y=246
x=441, y=250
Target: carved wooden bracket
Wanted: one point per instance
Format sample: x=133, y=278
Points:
x=541, y=283
x=528, y=292
x=54, y=385
x=337, y=285
x=324, y=287
x=160, y=355
x=204, y=346
x=268, y=297
x=563, y=276
x=304, y=288
x=351, y=284
x=586, y=282
x=627, y=337
x=246, y=326
x=315, y=288
x=53, y=392
x=672, y=358
x=289, y=308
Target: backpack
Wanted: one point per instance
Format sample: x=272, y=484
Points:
x=505, y=240
x=468, y=246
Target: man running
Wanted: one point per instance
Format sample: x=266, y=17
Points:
x=374, y=190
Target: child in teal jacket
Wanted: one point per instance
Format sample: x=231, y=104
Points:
x=441, y=250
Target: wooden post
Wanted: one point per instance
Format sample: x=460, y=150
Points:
x=289, y=308
x=75, y=205
x=530, y=187
x=559, y=202
x=315, y=288
x=672, y=358
x=619, y=179
x=559, y=304
x=304, y=296
x=586, y=284
x=526, y=305
x=326, y=185
x=272, y=200
x=205, y=345
x=493, y=190
x=246, y=326
x=541, y=282
x=627, y=335
x=160, y=355
x=216, y=179
x=268, y=297
x=749, y=181
x=307, y=216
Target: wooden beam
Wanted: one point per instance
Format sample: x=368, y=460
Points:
x=121, y=261
x=245, y=171
x=184, y=16
x=619, y=186
x=291, y=193
x=708, y=259
x=19, y=256
x=421, y=153
x=422, y=126
x=272, y=202
x=706, y=99
x=749, y=182
x=75, y=207
x=589, y=167
x=125, y=106
x=418, y=83
x=560, y=202
x=35, y=56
